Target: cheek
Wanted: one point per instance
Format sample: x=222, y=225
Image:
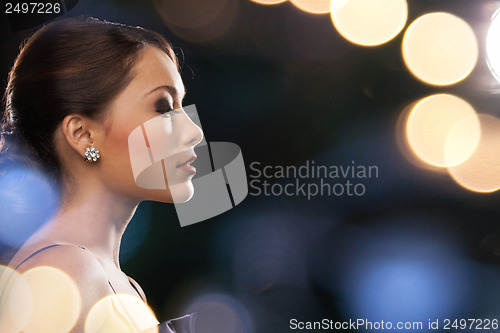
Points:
x=115, y=158
x=158, y=137
x=117, y=146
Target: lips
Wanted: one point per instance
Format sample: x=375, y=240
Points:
x=187, y=165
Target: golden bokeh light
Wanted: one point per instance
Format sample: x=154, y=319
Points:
x=269, y=2
x=45, y=299
x=443, y=130
x=481, y=171
x=369, y=22
x=313, y=6
x=198, y=21
x=8, y=278
x=440, y=49
x=492, y=45
x=336, y=4
x=120, y=313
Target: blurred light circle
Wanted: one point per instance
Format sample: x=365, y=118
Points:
x=198, y=21
x=405, y=290
x=369, y=22
x=481, y=171
x=462, y=140
x=220, y=313
x=120, y=313
x=440, y=48
x=265, y=249
x=443, y=130
x=8, y=278
x=268, y=252
x=493, y=46
x=313, y=6
x=45, y=299
x=401, y=268
x=269, y=2
x=27, y=200
x=336, y=4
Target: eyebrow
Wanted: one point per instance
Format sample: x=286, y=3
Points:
x=171, y=89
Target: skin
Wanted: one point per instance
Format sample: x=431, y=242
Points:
x=100, y=198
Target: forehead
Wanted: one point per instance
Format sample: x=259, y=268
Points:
x=153, y=69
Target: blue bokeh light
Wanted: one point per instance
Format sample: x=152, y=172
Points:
x=267, y=246
x=406, y=290
x=27, y=200
x=221, y=313
x=400, y=274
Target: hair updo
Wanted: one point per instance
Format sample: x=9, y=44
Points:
x=69, y=66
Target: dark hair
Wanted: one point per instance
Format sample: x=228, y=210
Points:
x=69, y=66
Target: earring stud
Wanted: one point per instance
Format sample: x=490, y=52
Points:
x=91, y=154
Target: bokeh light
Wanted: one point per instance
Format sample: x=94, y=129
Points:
x=493, y=46
x=267, y=253
x=336, y=4
x=403, y=289
x=313, y=6
x=369, y=22
x=195, y=21
x=400, y=270
x=440, y=48
x=8, y=277
x=443, y=130
x=266, y=247
x=220, y=313
x=120, y=313
x=45, y=299
x=481, y=171
x=27, y=200
x=269, y=2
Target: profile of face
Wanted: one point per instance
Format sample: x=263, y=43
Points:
x=148, y=146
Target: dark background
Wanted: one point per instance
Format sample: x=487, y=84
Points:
x=287, y=88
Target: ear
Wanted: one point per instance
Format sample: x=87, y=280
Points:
x=78, y=132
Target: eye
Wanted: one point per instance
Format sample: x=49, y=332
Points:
x=163, y=107
x=168, y=112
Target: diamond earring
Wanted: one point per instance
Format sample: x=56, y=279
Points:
x=92, y=154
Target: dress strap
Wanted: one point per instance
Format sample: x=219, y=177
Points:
x=83, y=248
x=43, y=249
x=184, y=324
x=4, y=284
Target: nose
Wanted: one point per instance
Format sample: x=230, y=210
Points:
x=192, y=133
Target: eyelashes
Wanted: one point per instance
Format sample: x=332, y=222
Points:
x=164, y=107
x=165, y=112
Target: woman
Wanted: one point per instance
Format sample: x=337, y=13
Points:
x=77, y=90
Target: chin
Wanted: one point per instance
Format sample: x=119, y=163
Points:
x=181, y=193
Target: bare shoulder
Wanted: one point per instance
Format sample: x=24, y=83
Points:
x=74, y=261
x=68, y=277
x=68, y=289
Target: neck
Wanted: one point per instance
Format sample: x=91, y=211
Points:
x=93, y=217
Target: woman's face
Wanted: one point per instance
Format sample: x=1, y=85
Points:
x=151, y=106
